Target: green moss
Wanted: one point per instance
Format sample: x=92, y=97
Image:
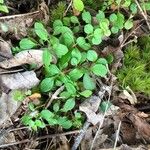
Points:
x=57, y=11
x=136, y=67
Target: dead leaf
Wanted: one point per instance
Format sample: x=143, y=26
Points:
x=18, y=25
x=25, y=80
x=8, y=107
x=89, y=107
x=24, y=57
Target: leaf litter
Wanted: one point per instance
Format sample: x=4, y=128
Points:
x=134, y=129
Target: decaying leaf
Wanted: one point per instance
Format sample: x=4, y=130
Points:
x=89, y=107
x=25, y=80
x=17, y=25
x=8, y=107
x=24, y=57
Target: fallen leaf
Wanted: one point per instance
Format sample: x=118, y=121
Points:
x=25, y=80
x=24, y=57
x=89, y=107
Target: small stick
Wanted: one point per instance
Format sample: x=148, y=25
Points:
x=67, y=8
x=117, y=135
x=54, y=96
x=39, y=138
x=142, y=12
x=80, y=136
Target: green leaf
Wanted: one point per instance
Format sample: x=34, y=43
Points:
x=114, y=29
x=68, y=39
x=86, y=16
x=100, y=15
x=54, y=40
x=96, y=41
x=99, y=70
x=66, y=21
x=46, y=114
x=105, y=106
x=126, y=3
x=70, y=88
x=26, y=44
x=26, y=119
x=47, y=84
x=65, y=94
x=52, y=121
x=88, y=29
x=74, y=20
x=47, y=58
x=39, y=123
x=3, y=8
x=1, y=1
x=102, y=61
x=60, y=49
x=82, y=43
x=128, y=24
x=133, y=8
x=86, y=93
x=78, y=5
x=77, y=54
x=74, y=61
x=75, y=74
x=92, y=55
x=120, y=20
x=88, y=82
x=146, y=6
x=76, y=29
x=56, y=107
x=69, y=105
x=40, y=31
x=52, y=70
x=64, y=122
x=104, y=24
x=57, y=23
x=18, y=95
x=113, y=17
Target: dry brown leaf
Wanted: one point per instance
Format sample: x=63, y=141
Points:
x=89, y=107
x=25, y=80
x=18, y=24
x=24, y=57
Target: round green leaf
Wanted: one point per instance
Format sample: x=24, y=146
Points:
x=57, y=23
x=26, y=44
x=74, y=19
x=64, y=122
x=88, y=29
x=86, y=16
x=133, y=8
x=114, y=29
x=113, y=17
x=99, y=70
x=74, y=61
x=60, y=49
x=96, y=41
x=128, y=24
x=47, y=84
x=92, y=55
x=56, y=107
x=70, y=88
x=100, y=15
x=52, y=70
x=46, y=114
x=78, y=5
x=76, y=74
x=102, y=61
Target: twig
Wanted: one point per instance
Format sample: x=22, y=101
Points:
x=117, y=135
x=54, y=96
x=39, y=138
x=101, y=123
x=11, y=71
x=68, y=8
x=80, y=136
x=142, y=12
x=87, y=124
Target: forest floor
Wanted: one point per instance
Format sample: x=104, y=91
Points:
x=74, y=75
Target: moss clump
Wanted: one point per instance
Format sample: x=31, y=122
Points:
x=136, y=68
x=57, y=11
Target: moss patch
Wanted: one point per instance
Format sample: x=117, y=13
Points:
x=136, y=68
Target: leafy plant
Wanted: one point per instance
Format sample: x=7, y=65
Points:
x=71, y=43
